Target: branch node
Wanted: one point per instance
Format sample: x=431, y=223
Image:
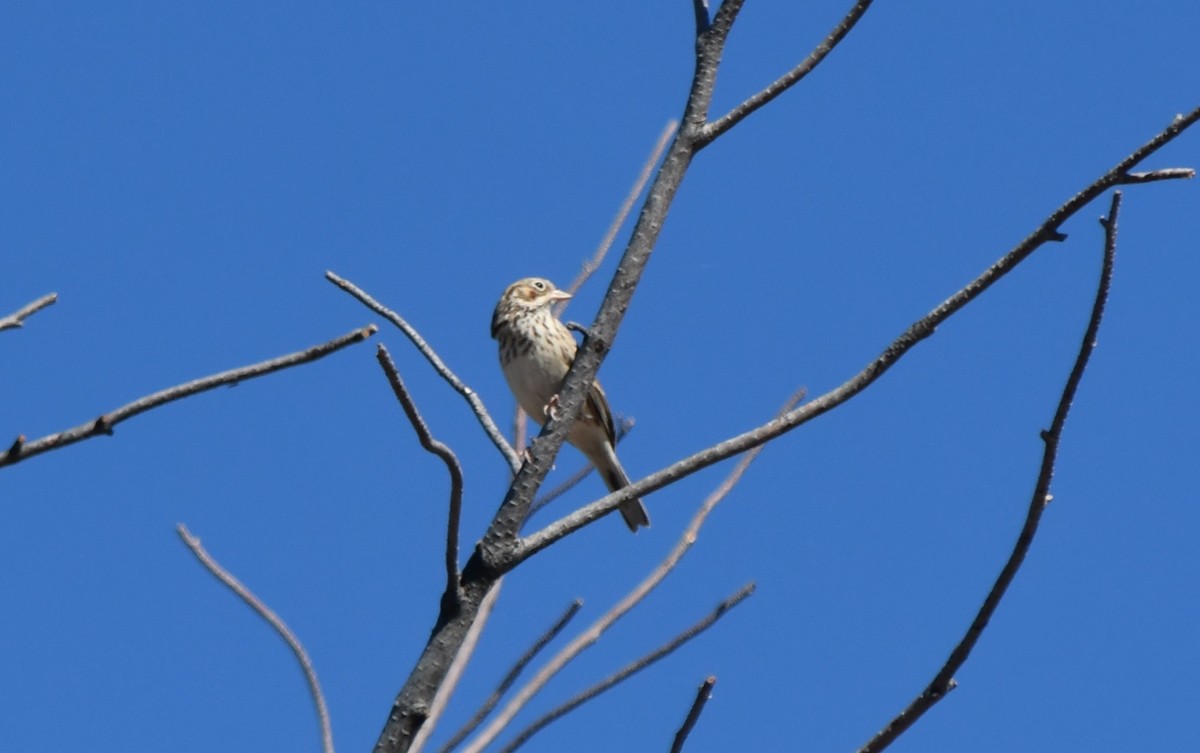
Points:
x=18, y=444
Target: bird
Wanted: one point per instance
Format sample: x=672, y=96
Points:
x=536, y=350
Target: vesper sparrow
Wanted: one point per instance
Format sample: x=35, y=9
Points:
x=536, y=350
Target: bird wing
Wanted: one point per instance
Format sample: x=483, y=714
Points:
x=597, y=406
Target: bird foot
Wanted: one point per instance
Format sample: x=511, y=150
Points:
x=551, y=408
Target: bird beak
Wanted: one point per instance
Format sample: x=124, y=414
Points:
x=560, y=295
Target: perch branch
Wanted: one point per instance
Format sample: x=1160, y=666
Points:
x=22, y=450
x=272, y=619
x=592, y=634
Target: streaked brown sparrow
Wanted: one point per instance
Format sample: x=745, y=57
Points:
x=536, y=349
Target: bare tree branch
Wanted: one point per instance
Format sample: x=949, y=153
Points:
x=592, y=634
x=22, y=450
x=512, y=676
x=630, y=669
x=501, y=547
x=17, y=319
x=457, y=668
x=439, y=449
x=702, y=696
x=591, y=265
x=924, y=327
x=472, y=398
x=252, y=601
x=944, y=681
x=500, y=542
x=786, y=81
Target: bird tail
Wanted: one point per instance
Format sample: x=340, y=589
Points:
x=633, y=511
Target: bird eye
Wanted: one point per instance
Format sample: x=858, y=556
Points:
x=539, y=285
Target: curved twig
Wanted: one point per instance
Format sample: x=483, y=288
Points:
x=16, y=320
x=472, y=398
x=439, y=449
x=272, y=619
x=22, y=450
x=944, y=682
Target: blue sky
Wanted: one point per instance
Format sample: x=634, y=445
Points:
x=183, y=174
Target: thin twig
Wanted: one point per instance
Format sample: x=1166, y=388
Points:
x=630, y=669
x=787, y=80
x=457, y=668
x=252, y=601
x=17, y=319
x=21, y=450
x=512, y=676
x=702, y=696
x=592, y=634
x=944, y=681
x=591, y=265
x=472, y=398
x=442, y=451
x=1047, y=232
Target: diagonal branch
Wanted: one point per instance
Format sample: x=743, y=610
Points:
x=592, y=264
x=17, y=319
x=472, y=398
x=702, y=696
x=22, y=450
x=921, y=329
x=458, y=667
x=439, y=449
x=510, y=678
x=631, y=669
x=944, y=681
x=272, y=619
x=787, y=80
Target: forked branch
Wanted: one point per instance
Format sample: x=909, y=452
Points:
x=1048, y=231
x=472, y=398
x=272, y=619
